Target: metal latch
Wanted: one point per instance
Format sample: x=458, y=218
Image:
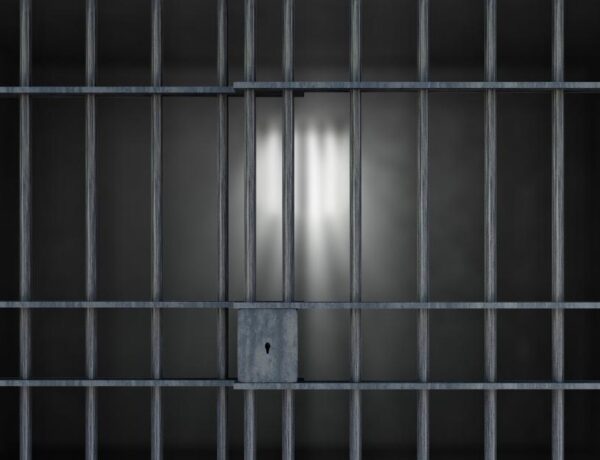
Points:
x=267, y=345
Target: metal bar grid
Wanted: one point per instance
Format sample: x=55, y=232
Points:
x=289, y=87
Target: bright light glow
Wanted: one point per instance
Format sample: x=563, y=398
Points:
x=321, y=172
x=321, y=203
x=268, y=174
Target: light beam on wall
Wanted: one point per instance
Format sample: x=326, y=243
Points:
x=321, y=202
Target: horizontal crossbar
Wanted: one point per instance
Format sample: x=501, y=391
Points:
x=418, y=85
x=116, y=383
x=39, y=305
x=117, y=90
x=373, y=386
x=416, y=386
x=302, y=86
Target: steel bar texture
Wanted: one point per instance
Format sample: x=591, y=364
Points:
x=192, y=305
x=490, y=345
x=25, y=436
x=223, y=230
x=423, y=233
x=417, y=305
x=288, y=432
x=558, y=172
x=117, y=90
x=303, y=86
x=289, y=89
x=307, y=385
x=120, y=383
x=156, y=181
x=91, y=432
x=250, y=206
x=532, y=86
x=429, y=386
x=355, y=229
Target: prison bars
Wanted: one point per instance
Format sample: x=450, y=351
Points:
x=25, y=228
x=558, y=86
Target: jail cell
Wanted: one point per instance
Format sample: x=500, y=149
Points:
x=299, y=229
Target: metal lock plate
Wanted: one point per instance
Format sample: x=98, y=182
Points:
x=267, y=345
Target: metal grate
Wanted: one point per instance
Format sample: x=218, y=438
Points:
x=289, y=88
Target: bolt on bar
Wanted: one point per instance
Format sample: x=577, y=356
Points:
x=423, y=233
x=250, y=206
x=223, y=229
x=25, y=228
x=355, y=228
x=490, y=399
x=91, y=437
x=558, y=229
x=156, y=168
x=288, y=208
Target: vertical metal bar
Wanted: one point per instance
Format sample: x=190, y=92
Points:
x=91, y=448
x=25, y=228
x=288, y=207
x=223, y=249
x=355, y=228
x=250, y=205
x=558, y=229
x=423, y=233
x=249, y=426
x=490, y=289
x=156, y=167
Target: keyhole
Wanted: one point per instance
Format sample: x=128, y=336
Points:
x=267, y=347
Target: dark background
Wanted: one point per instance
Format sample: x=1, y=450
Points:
x=322, y=245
